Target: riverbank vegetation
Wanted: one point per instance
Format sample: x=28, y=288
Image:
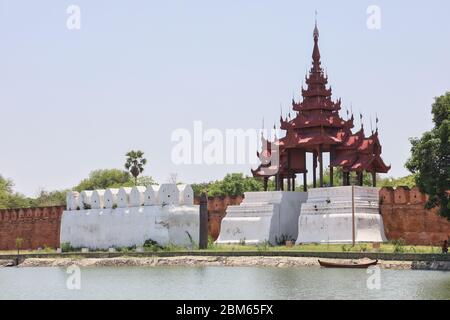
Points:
x=390, y=247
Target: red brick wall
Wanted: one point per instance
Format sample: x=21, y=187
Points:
x=217, y=207
x=405, y=217
x=38, y=227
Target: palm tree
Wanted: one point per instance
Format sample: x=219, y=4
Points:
x=135, y=163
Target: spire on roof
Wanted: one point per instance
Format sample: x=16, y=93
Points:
x=376, y=123
x=316, y=51
x=316, y=30
x=371, y=126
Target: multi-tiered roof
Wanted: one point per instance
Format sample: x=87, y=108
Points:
x=317, y=127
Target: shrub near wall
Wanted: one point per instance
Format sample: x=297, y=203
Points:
x=37, y=227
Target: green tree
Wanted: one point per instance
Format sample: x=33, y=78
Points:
x=9, y=198
x=430, y=158
x=105, y=178
x=337, y=178
x=111, y=178
x=98, y=179
x=49, y=198
x=408, y=181
x=146, y=181
x=233, y=184
x=135, y=163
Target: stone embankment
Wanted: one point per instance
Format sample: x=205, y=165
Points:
x=191, y=261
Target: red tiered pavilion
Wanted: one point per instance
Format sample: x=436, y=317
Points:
x=318, y=128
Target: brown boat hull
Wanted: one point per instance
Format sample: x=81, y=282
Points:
x=347, y=265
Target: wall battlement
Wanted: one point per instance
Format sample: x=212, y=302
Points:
x=402, y=196
x=38, y=227
x=10, y=215
x=164, y=194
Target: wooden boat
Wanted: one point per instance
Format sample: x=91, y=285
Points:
x=347, y=265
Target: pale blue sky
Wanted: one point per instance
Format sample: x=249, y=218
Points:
x=74, y=101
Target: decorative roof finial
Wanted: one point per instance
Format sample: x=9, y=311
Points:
x=316, y=29
x=376, y=121
x=316, y=51
x=262, y=130
x=371, y=126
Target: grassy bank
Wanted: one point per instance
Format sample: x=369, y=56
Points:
x=393, y=247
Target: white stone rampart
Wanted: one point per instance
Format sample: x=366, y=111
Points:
x=168, y=193
x=110, y=198
x=97, y=199
x=151, y=196
x=125, y=227
x=123, y=197
x=186, y=194
x=137, y=196
x=130, y=225
x=327, y=216
x=72, y=200
x=261, y=217
x=85, y=199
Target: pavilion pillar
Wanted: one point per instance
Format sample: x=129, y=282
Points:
x=331, y=168
x=314, y=169
x=305, y=182
x=282, y=183
x=344, y=176
x=293, y=183
x=203, y=225
x=347, y=178
x=320, y=167
x=361, y=178
x=266, y=183
x=374, y=178
x=331, y=176
x=276, y=182
x=289, y=170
